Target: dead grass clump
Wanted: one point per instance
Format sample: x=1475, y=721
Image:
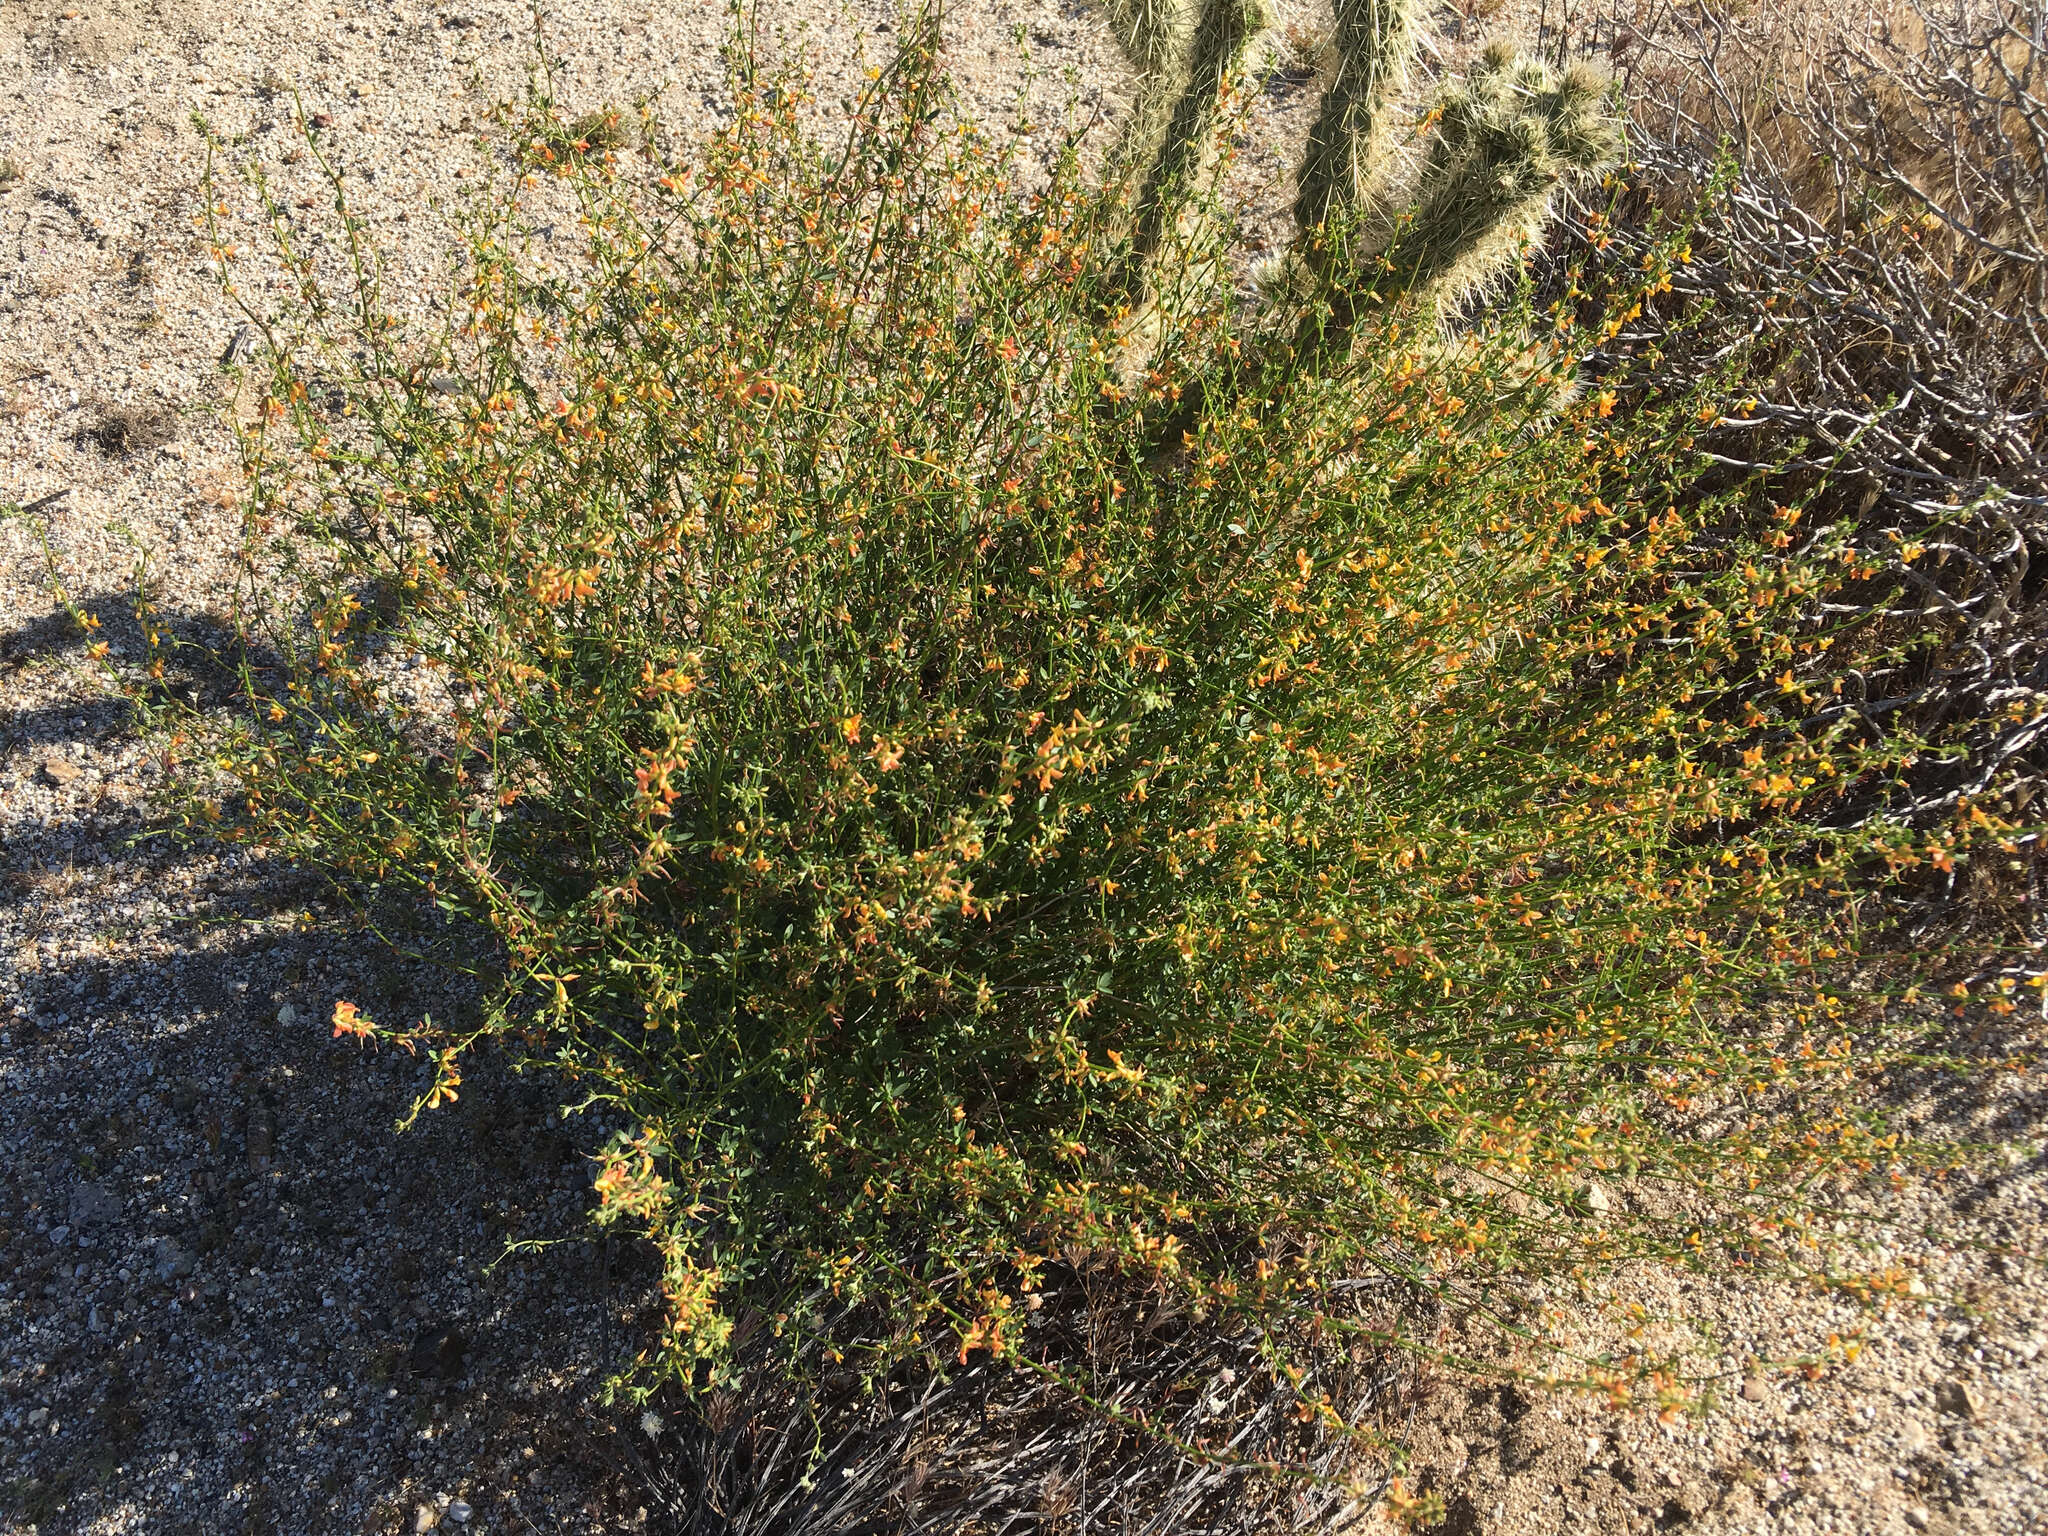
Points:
x=1198, y=1421
x=121, y=430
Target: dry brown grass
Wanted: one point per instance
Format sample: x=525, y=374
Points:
x=1189, y=1431
x=119, y=430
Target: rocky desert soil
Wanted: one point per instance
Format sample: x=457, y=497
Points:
x=231, y=1299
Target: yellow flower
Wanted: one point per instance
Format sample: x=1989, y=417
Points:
x=446, y=1078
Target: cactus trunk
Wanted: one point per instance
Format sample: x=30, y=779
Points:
x=1187, y=150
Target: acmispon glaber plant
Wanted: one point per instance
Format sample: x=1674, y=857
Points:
x=966, y=840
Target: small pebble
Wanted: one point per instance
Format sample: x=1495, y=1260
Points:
x=1959, y=1398
x=459, y=1511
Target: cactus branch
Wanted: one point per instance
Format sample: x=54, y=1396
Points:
x=1506, y=139
x=1225, y=32
x=1153, y=34
x=1375, y=41
x=1155, y=37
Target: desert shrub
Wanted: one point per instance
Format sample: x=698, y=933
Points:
x=1877, y=256
x=969, y=826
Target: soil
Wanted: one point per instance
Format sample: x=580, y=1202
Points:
x=230, y=1298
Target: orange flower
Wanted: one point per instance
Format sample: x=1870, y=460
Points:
x=656, y=793
x=446, y=1079
x=671, y=680
x=552, y=584
x=349, y=1021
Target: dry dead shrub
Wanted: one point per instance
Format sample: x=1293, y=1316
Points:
x=1878, y=253
x=1917, y=129
x=1139, y=1420
x=120, y=430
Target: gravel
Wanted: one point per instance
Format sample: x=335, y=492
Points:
x=232, y=1298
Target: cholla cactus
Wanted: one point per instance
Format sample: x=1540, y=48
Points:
x=1505, y=141
x=1155, y=36
x=1375, y=43
x=1506, y=138
x=1170, y=144
x=1215, y=58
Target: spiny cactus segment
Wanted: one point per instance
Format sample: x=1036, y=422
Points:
x=1215, y=59
x=1506, y=138
x=1375, y=45
x=1155, y=37
x=1153, y=34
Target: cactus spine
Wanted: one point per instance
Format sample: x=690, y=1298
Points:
x=1155, y=36
x=1375, y=42
x=1506, y=138
x=1186, y=151
x=1152, y=33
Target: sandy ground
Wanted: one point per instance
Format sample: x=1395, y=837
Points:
x=229, y=1299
